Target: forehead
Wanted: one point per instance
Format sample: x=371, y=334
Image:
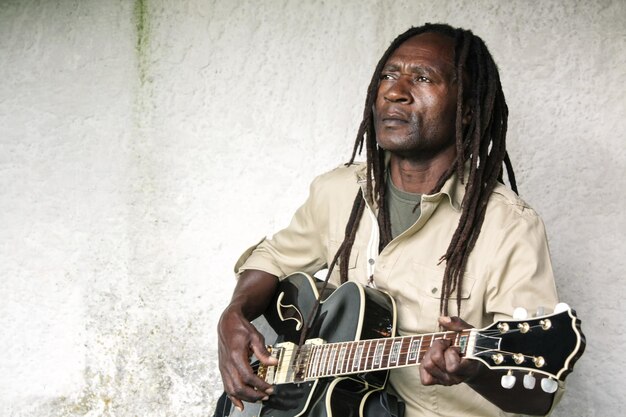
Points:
x=429, y=48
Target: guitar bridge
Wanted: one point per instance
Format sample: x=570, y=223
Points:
x=282, y=373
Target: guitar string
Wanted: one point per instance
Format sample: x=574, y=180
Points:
x=385, y=354
x=333, y=367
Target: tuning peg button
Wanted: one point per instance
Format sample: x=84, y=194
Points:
x=549, y=385
x=507, y=380
x=520, y=313
x=529, y=381
x=561, y=307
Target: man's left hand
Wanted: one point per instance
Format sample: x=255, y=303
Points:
x=442, y=364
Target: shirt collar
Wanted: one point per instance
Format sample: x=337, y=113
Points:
x=453, y=188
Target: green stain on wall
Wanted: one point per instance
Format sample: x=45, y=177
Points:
x=143, y=31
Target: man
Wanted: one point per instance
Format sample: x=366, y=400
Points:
x=426, y=219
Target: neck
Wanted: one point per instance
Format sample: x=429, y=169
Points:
x=420, y=176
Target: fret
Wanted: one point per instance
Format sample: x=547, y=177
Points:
x=351, y=355
x=311, y=373
x=414, y=349
x=384, y=355
x=366, y=349
x=324, y=359
x=316, y=361
x=331, y=360
x=394, y=354
x=366, y=352
x=463, y=338
x=357, y=357
x=341, y=358
x=404, y=350
x=306, y=361
x=380, y=347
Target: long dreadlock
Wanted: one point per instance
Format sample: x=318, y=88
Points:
x=481, y=145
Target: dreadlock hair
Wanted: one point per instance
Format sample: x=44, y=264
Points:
x=481, y=145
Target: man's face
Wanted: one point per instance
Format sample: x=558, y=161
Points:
x=415, y=110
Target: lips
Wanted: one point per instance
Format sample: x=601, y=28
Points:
x=394, y=118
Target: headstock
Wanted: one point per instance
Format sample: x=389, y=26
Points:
x=547, y=345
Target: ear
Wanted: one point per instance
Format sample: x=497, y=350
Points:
x=467, y=111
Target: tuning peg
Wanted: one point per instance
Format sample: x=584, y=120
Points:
x=561, y=307
x=520, y=313
x=529, y=381
x=549, y=385
x=507, y=380
x=540, y=311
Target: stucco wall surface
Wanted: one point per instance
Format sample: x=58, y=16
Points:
x=145, y=144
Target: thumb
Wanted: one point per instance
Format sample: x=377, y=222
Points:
x=262, y=354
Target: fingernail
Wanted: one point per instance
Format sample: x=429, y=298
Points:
x=265, y=398
x=269, y=391
x=445, y=320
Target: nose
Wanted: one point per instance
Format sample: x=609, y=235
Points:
x=398, y=91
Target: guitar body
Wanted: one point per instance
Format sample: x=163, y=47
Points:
x=352, y=312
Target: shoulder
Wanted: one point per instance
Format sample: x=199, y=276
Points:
x=340, y=179
x=335, y=190
x=506, y=208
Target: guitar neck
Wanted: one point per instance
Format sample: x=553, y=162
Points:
x=345, y=358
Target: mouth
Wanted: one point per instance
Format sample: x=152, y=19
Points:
x=393, y=117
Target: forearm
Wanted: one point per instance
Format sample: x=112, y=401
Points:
x=253, y=292
x=515, y=400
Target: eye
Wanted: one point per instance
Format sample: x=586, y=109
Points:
x=386, y=77
x=423, y=79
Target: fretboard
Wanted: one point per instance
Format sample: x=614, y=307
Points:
x=344, y=358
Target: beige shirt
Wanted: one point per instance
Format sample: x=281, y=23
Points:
x=509, y=267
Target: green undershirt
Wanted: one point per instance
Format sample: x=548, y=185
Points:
x=402, y=208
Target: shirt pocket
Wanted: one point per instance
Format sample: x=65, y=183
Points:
x=429, y=282
x=418, y=301
x=353, y=270
x=333, y=247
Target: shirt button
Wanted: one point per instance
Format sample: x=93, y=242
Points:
x=434, y=290
x=371, y=261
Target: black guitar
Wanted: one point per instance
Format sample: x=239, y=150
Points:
x=354, y=346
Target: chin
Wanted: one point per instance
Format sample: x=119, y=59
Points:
x=401, y=145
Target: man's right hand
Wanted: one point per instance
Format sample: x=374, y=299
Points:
x=238, y=339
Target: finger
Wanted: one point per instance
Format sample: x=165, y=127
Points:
x=426, y=378
x=238, y=404
x=241, y=381
x=452, y=360
x=433, y=368
x=453, y=323
x=257, y=388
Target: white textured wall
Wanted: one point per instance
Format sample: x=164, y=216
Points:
x=145, y=144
